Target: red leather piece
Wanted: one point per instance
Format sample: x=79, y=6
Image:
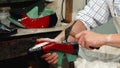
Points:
x=66, y=48
x=42, y=22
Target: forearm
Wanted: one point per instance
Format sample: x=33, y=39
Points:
x=113, y=40
x=77, y=27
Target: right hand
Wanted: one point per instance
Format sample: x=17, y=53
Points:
x=88, y=39
x=51, y=58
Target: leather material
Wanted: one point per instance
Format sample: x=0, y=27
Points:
x=42, y=22
x=28, y=22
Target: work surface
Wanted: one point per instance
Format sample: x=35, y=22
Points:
x=18, y=44
x=22, y=32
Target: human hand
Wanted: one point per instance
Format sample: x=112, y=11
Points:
x=88, y=39
x=51, y=58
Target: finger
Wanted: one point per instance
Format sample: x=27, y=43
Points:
x=53, y=60
x=81, y=41
x=46, y=55
x=52, y=56
x=87, y=46
x=43, y=39
x=40, y=41
x=77, y=36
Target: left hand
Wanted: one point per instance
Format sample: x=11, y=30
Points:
x=51, y=58
x=88, y=39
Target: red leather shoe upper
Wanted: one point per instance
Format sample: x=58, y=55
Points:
x=42, y=22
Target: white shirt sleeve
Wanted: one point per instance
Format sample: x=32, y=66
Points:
x=95, y=13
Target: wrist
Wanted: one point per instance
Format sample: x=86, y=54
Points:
x=109, y=38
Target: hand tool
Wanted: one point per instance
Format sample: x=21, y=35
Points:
x=47, y=46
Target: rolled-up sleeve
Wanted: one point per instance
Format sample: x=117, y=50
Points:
x=95, y=13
